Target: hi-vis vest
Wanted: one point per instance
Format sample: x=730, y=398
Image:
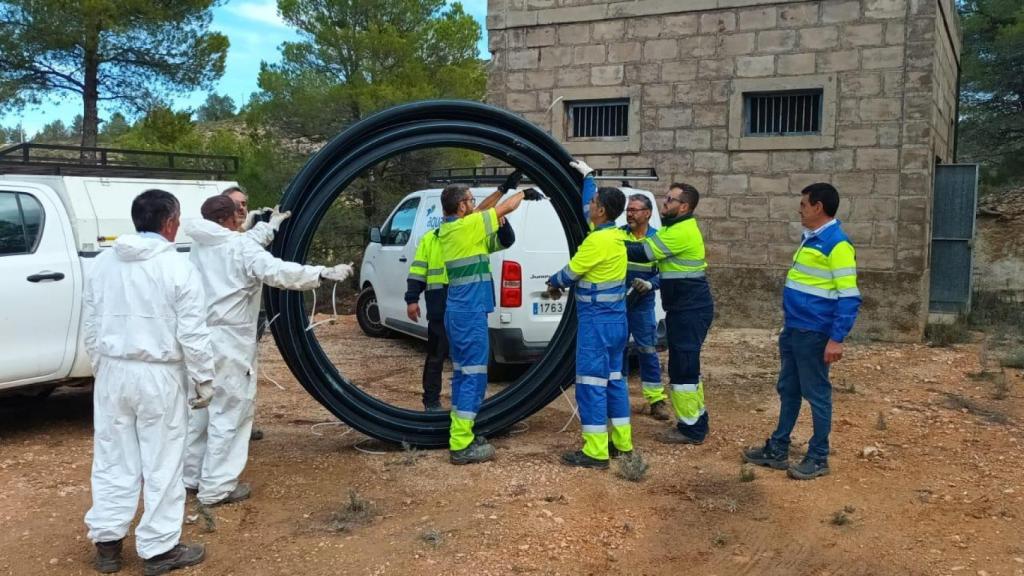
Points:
x=465, y=248
x=678, y=249
x=821, y=291
x=428, y=265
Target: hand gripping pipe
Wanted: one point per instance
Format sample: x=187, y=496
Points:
x=415, y=126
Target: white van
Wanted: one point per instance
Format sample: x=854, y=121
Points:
x=524, y=319
x=51, y=229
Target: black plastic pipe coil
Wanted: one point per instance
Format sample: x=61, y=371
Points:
x=419, y=125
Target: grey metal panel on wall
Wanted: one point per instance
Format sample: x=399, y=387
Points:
x=953, y=214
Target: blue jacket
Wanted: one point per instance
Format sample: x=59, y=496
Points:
x=644, y=270
x=821, y=293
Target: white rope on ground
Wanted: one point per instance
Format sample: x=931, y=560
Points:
x=575, y=411
x=364, y=450
x=525, y=427
x=318, y=424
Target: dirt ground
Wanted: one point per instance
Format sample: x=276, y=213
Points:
x=939, y=493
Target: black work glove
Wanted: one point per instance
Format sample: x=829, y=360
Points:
x=512, y=181
x=533, y=194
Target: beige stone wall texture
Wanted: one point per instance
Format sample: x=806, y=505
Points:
x=892, y=68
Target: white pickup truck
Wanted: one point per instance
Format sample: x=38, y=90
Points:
x=51, y=228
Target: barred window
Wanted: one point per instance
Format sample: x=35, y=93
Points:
x=789, y=113
x=599, y=118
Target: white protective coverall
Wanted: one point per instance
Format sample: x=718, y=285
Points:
x=233, y=267
x=145, y=331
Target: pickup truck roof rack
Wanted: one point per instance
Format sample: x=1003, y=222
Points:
x=497, y=174
x=56, y=159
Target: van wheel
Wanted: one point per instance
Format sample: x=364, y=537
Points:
x=368, y=314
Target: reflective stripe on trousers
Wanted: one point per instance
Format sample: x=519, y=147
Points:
x=601, y=392
x=469, y=346
x=643, y=327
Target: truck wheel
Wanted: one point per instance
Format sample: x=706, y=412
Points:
x=368, y=315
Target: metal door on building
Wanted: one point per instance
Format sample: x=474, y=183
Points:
x=953, y=212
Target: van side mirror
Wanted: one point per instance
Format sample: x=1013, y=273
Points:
x=375, y=234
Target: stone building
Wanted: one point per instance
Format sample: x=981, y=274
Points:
x=750, y=101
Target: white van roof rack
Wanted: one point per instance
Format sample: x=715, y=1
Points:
x=497, y=174
x=54, y=159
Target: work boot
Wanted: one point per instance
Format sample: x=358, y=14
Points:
x=674, y=436
x=108, y=556
x=433, y=406
x=808, y=469
x=181, y=556
x=478, y=451
x=767, y=455
x=241, y=492
x=659, y=411
x=191, y=491
x=581, y=460
x=614, y=453
x=256, y=434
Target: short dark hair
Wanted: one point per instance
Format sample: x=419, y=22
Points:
x=218, y=208
x=689, y=195
x=642, y=198
x=824, y=193
x=613, y=201
x=451, y=196
x=232, y=189
x=152, y=209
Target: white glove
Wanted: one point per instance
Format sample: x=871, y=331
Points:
x=204, y=393
x=252, y=217
x=277, y=217
x=337, y=273
x=642, y=286
x=581, y=167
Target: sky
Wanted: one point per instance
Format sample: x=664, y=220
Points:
x=255, y=31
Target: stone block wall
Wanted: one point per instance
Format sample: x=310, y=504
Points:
x=887, y=70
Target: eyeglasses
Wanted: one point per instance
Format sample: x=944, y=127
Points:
x=469, y=199
x=635, y=210
x=670, y=199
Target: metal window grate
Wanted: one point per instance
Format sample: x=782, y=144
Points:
x=599, y=118
x=791, y=113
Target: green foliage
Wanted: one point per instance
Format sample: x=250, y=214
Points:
x=359, y=56
x=12, y=134
x=216, y=108
x=114, y=128
x=163, y=129
x=128, y=52
x=992, y=89
x=53, y=133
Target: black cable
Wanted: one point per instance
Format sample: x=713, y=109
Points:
x=429, y=124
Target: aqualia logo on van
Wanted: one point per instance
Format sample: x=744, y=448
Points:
x=433, y=220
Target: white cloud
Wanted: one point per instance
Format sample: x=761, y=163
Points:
x=264, y=11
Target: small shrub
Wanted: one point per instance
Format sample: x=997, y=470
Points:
x=1014, y=359
x=632, y=467
x=747, y=473
x=840, y=518
x=941, y=335
x=432, y=537
x=356, y=512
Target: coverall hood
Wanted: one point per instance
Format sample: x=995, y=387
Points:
x=208, y=233
x=133, y=247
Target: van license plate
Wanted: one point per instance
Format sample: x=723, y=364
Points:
x=548, y=308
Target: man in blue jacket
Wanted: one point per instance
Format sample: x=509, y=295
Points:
x=643, y=278
x=820, y=302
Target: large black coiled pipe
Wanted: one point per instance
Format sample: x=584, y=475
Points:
x=429, y=124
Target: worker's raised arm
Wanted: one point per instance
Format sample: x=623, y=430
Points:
x=511, y=182
x=508, y=205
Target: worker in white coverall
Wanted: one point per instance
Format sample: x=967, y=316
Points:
x=233, y=268
x=255, y=226
x=144, y=321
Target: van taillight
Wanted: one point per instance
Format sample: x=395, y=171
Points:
x=511, y=284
